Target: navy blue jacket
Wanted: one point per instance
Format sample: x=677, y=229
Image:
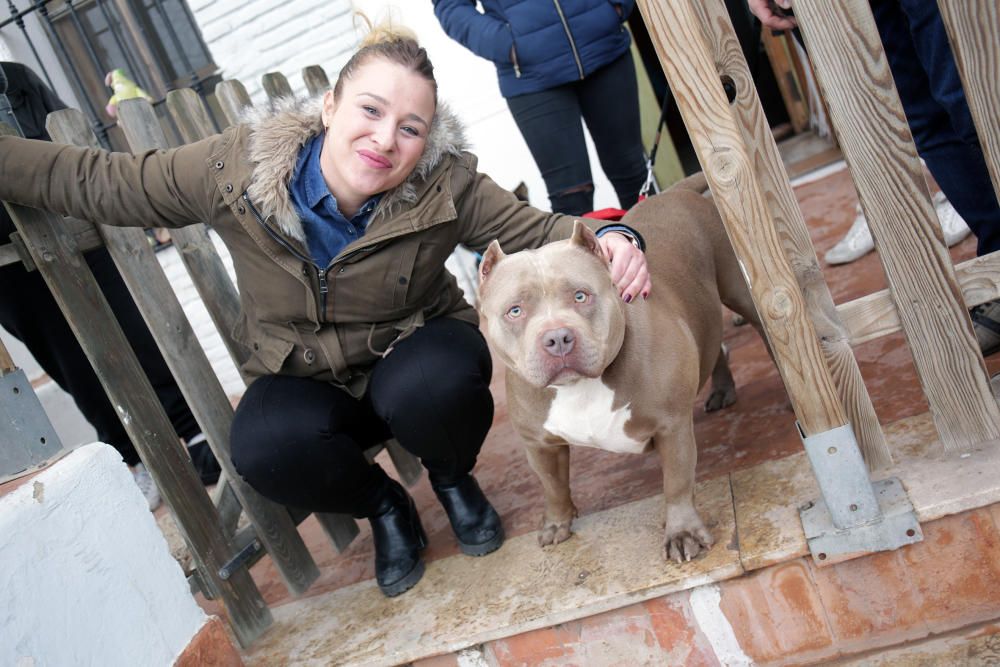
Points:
x=554, y=41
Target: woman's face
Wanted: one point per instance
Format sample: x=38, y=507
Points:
x=376, y=131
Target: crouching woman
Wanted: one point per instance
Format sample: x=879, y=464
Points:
x=339, y=215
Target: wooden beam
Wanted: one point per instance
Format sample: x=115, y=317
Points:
x=687, y=59
x=316, y=80
x=276, y=86
x=793, y=233
x=853, y=73
x=974, y=30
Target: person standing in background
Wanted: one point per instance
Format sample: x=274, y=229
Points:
x=558, y=63
x=30, y=313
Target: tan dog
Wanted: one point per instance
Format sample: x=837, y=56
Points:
x=585, y=368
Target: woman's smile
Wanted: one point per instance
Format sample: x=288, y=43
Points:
x=374, y=160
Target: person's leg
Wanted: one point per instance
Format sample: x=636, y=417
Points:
x=609, y=100
x=930, y=89
x=30, y=313
x=551, y=125
x=301, y=442
x=433, y=391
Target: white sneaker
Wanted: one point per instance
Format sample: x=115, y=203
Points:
x=952, y=224
x=857, y=243
x=146, y=484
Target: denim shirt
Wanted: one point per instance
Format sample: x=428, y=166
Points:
x=327, y=230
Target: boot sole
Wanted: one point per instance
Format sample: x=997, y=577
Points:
x=485, y=547
x=406, y=583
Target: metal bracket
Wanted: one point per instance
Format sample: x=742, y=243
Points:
x=853, y=517
x=242, y=556
x=29, y=441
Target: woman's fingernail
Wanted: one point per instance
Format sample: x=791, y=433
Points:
x=645, y=295
x=628, y=298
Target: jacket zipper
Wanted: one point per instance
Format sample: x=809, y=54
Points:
x=324, y=288
x=569, y=36
x=513, y=54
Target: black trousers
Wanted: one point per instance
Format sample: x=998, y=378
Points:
x=551, y=122
x=30, y=313
x=301, y=442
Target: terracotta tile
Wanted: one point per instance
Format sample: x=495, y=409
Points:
x=677, y=632
x=211, y=647
x=869, y=595
x=449, y=660
x=957, y=569
x=536, y=647
x=776, y=612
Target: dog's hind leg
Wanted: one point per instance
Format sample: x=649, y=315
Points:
x=723, y=392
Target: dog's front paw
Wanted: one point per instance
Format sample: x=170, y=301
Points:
x=686, y=545
x=554, y=532
x=720, y=398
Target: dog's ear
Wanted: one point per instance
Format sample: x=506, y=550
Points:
x=492, y=255
x=584, y=237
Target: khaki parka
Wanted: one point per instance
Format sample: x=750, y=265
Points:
x=329, y=323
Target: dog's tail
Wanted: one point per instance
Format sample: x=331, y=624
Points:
x=695, y=182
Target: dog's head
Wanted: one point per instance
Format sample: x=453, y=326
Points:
x=553, y=314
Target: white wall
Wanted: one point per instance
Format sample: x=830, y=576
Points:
x=86, y=575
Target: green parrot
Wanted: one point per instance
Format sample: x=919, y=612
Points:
x=125, y=89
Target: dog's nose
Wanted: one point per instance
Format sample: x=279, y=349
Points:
x=558, y=342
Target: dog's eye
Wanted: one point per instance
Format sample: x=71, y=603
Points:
x=580, y=296
x=515, y=311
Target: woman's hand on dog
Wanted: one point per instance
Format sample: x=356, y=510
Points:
x=628, y=266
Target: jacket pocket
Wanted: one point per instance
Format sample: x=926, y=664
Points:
x=267, y=353
x=513, y=53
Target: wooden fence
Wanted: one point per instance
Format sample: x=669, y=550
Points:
x=812, y=338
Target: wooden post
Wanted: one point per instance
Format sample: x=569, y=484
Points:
x=6, y=362
x=316, y=80
x=974, y=29
x=68, y=277
x=233, y=99
x=276, y=86
x=794, y=235
x=792, y=90
x=854, y=75
x=274, y=527
x=686, y=57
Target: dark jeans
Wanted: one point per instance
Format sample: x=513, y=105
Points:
x=608, y=101
x=922, y=64
x=30, y=313
x=301, y=442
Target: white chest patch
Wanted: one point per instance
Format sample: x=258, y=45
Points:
x=581, y=414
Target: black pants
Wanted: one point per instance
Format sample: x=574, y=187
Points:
x=301, y=442
x=30, y=313
x=550, y=121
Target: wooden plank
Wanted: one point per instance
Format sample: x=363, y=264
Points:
x=407, y=465
x=874, y=315
x=853, y=74
x=8, y=254
x=687, y=60
x=197, y=380
x=233, y=99
x=793, y=234
x=340, y=528
x=316, y=80
x=792, y=91
x=6, y=362
x=974, y=30
x=138, y=121
x=276, y=86
x=68, y=277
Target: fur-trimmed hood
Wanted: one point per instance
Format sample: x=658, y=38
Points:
x=279, y=132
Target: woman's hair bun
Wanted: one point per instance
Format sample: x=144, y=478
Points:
x=385, y=31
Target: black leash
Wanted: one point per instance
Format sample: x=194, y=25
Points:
x=651, y=160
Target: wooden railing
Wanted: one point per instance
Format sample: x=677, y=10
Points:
x=811, y=337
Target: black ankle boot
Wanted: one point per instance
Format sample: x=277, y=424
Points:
x=475, y=522
x=398, y=538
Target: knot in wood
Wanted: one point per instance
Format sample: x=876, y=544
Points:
x=779, y=304
x=725, y=166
